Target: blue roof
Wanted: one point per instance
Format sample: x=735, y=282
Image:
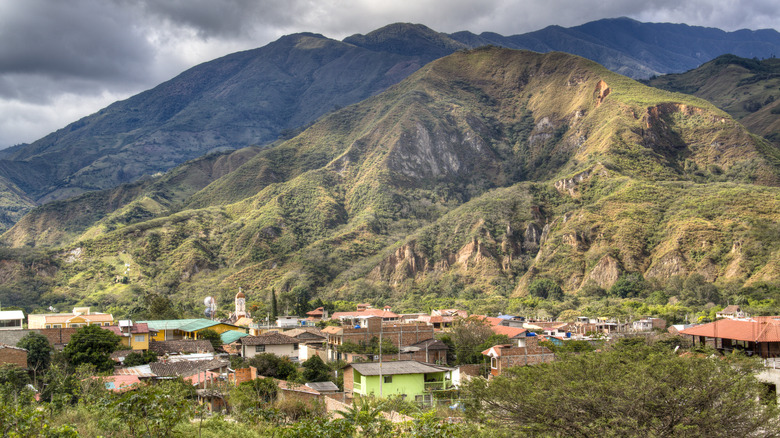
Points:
x=505, y=317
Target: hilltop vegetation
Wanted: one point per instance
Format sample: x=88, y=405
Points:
x=482, y=173
x=747, y=89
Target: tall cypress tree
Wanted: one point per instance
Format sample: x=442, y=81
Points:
x=273, y=307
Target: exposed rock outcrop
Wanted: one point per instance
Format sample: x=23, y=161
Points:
x=602, y=91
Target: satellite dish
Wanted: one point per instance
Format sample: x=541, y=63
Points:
x=208, y=302
x=207, y=312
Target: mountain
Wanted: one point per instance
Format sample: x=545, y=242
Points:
x=479, y=174
x=246, y=98
x=747, y=89
x=266, y=95
x=636, y=49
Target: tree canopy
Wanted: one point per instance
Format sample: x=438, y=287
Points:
x=92, y=345
x=633, y=390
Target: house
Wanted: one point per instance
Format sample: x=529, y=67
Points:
x=732, y=311
x=13, y=355
x=364, y=312
x=11, y=320
x=271, y=342
x=648, y=324
x=134, y=336
x=307, y=335
x=316, y=315
x=506, y=356
x=80, y=317
x=515, y=334
x=400, y=335
x=757, y=335
x=175, y=329
x=410, y=378
x=288, y=321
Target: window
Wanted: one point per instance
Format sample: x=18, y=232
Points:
x=494, y=363
x=295, y=346
x=106, y=324
x=57, y=325
x=138, y=338
x=259, y=348
x=388, y=379
x=48, y=325
x=72, y=325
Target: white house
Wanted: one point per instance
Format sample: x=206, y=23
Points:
x=272, y=342
x=11, y=319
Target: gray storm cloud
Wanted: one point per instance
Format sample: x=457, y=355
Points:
x=62, y=60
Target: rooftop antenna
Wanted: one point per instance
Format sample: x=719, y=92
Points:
x=211, y=307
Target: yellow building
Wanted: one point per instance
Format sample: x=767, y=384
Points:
x=134, y=336
x=80, y=317
x=174, y=329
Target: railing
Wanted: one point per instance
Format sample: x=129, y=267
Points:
x=772, y=362
x=357, y=387
x=438, y=385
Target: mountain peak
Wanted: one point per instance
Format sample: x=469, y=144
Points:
x=407, y=39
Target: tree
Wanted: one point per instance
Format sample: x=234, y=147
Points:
x=271, y=365
x=38, y=353
x=211, y=336
x=92, y=345
x=135, y=359
x=546, y=288
x=153, y=411
x=634, y=390
x=628, y=286
x=468, y=335
x=315, y=370
x=248, y=398
x=274, y=308
x=13, y=384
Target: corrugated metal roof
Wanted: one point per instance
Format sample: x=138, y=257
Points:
x=323, y=386
x=181, y=346
x=140, y=371
x=231, y=336
x=187, y=325
x=397, y=367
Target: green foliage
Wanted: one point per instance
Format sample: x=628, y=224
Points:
x=370, y=347
x=211, y=336
x=318, y=428
x=92, y=345
x=135, y=359
x=468, y=336
x=315, y=370
x=13, y=385
x=271, y=365
x=628, y=286
x=366, y=414
x=546, y=289
x=38, y=351
x=632, y=390
x=27, y=422
x=572, y=346
x=250, y=400
x=152, y=410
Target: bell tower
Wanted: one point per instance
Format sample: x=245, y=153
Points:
x=240, y=304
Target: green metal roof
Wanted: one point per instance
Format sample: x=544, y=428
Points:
x=185, y=325
x=231, y=336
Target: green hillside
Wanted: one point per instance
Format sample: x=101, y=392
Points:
x=747, y=89
x=474, y=178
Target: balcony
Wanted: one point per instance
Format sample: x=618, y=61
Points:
x=357, y=387
x=438, y=385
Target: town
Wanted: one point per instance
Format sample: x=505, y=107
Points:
x=323, y=366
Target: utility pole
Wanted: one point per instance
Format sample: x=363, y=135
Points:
x=381, y=379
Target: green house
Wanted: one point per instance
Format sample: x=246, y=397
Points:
x=406, y=377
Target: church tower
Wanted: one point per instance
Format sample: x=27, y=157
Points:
x=240, y=304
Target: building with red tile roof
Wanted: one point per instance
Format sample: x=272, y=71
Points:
x=758, y=335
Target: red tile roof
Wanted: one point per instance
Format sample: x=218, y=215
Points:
x=509, y=331
x=758, y=329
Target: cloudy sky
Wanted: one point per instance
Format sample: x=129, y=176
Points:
x=62, y=60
